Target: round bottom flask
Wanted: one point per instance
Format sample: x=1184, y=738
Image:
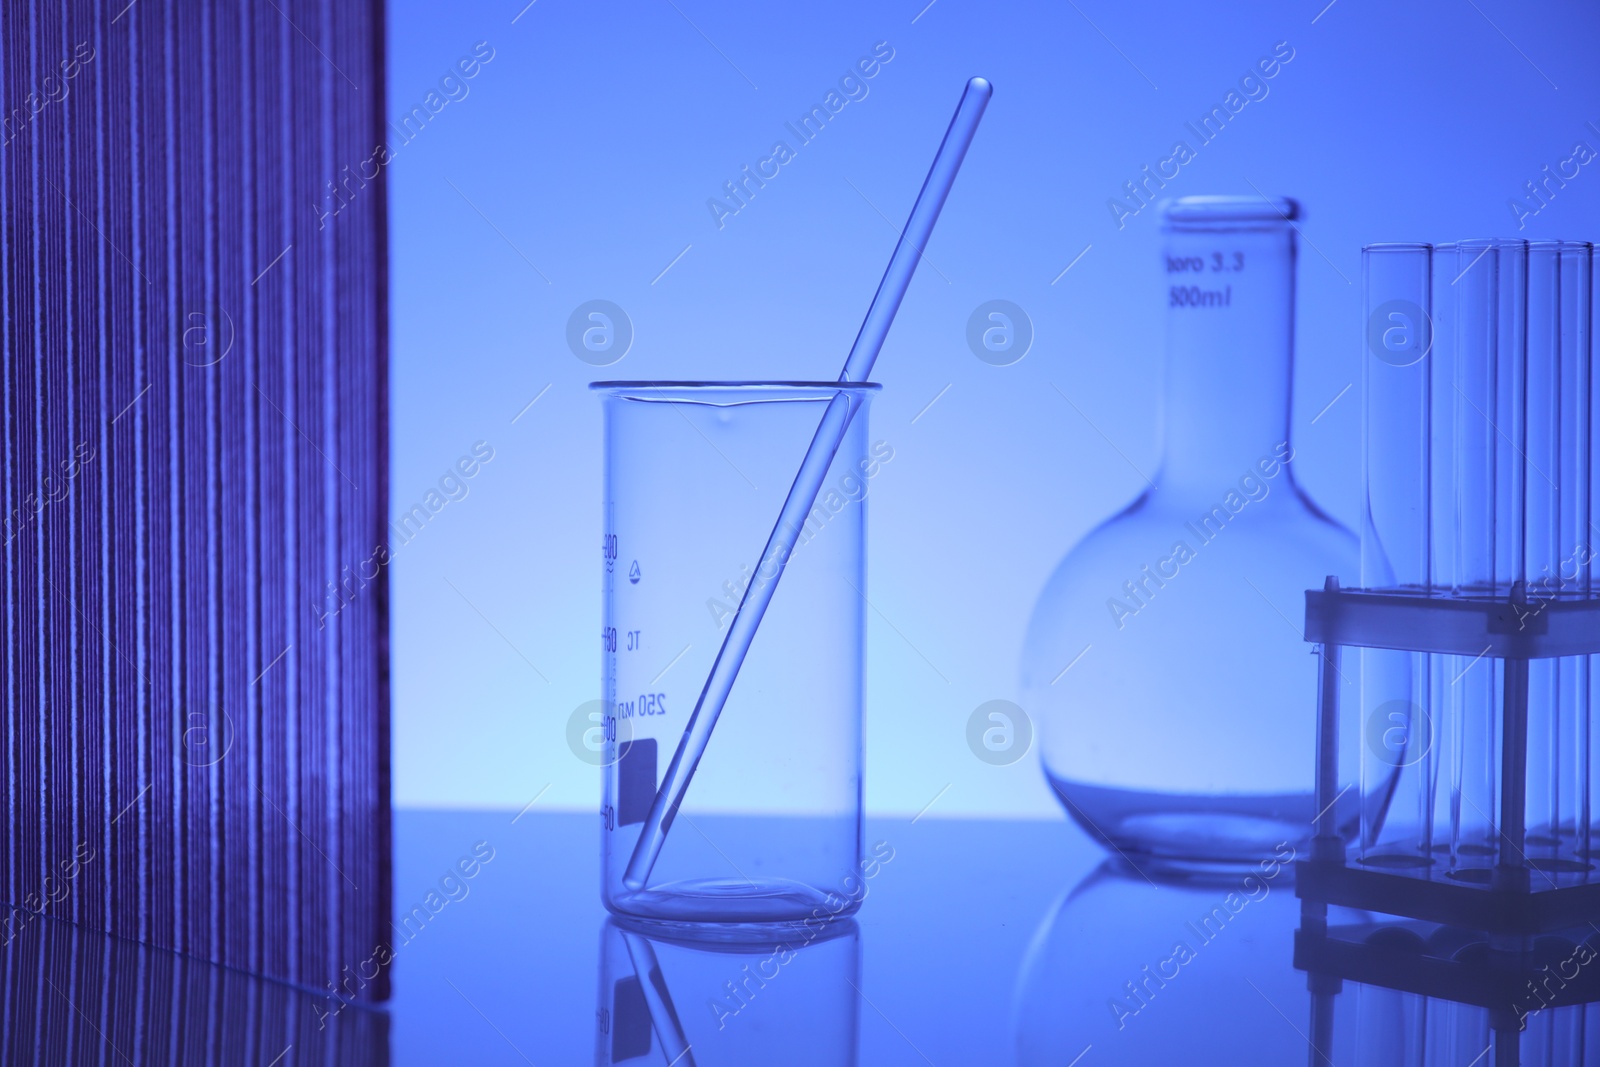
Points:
x=1165, y=656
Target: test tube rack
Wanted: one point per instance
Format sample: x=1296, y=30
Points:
x=1512, y=903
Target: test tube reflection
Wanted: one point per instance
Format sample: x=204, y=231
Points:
x=1402, y=1029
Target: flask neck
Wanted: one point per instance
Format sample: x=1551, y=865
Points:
x=1229, y=296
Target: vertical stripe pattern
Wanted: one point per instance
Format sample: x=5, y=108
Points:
x=193, y=450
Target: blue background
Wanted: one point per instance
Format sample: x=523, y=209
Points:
x=578, y=166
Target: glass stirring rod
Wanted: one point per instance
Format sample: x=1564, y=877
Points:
x=807, y=483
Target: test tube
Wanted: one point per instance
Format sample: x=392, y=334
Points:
x=1480, y=297
x=1398, y=752
x=1510, y=363
x=1396, y=446
x=1558, y=514
x=1508, y=705
x=1543, y=540
x=1588, y=539
x=1577, y=512
x=1478, y=503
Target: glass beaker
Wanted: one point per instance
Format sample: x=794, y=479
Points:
x=695, y=475
x=1165, y=656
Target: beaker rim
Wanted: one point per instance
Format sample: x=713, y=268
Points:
x=751, y=386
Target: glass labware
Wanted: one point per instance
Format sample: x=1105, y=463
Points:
x=1165, y=658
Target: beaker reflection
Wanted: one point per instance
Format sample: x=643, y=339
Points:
x=698, y=1002
x=1157, y=971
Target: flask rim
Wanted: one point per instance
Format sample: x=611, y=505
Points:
x=1192, y=210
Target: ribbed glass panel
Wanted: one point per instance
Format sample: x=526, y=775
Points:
x=193, y=446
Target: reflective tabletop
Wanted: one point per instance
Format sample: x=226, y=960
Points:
x=527, y=966
x=977, y=942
